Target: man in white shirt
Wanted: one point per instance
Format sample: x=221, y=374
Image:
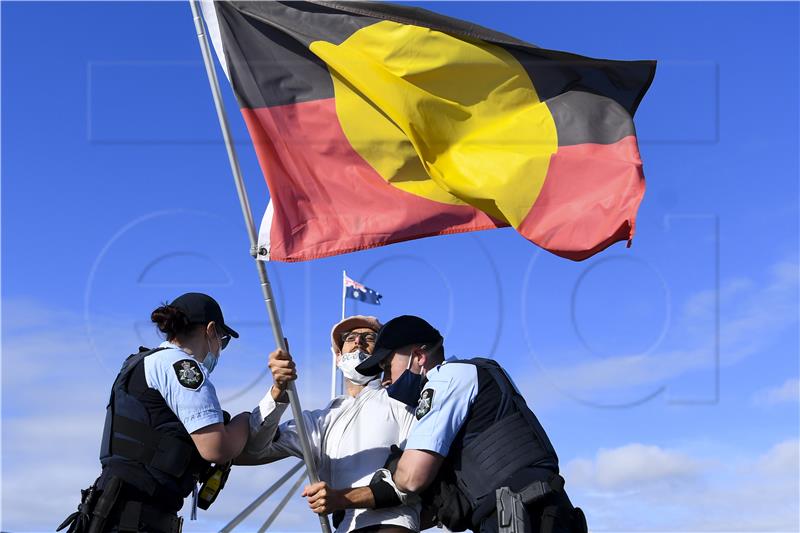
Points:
x=351, y=437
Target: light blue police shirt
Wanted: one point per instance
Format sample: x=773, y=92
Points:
x=197, y=407
x=444, y=404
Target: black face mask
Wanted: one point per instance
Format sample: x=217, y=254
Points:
x=407, y=387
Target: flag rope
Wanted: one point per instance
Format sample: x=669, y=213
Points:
x=247, y=511
x=266, y=288
x=284, y=501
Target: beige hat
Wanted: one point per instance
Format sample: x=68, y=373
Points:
x=350, y=323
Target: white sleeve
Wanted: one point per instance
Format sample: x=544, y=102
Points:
x=284, y=440
x=264, y=420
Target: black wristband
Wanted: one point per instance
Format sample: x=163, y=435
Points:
x=383, y=494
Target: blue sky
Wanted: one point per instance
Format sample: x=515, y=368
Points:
x=666, y=374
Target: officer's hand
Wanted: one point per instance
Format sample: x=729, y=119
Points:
x=323, y=499
x=283, y=370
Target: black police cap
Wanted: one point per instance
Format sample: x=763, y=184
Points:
x=201, y=309
x=398, y=332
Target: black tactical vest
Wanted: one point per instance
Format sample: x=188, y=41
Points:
x=144, y=443
x=501, y=443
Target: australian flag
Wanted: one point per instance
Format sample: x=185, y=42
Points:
x=357, y=291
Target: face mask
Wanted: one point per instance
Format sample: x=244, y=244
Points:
x=407, y=387
x=211, y=360
x=348, y=364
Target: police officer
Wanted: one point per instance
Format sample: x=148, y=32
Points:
x=477, y=454
x=164, y=425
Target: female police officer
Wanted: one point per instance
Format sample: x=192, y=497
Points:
x=164, y=425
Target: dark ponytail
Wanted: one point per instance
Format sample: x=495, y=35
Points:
x=171, y=321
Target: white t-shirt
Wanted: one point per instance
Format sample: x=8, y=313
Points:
x=351, y=438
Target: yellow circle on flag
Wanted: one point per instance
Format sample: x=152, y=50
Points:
x=452, y=120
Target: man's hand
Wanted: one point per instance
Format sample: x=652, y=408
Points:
x=323, y=499
x=283, y=372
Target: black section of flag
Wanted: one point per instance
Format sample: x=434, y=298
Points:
x=554, y=73
x=268, y=63
x=266, y=46
x=583, y=117
x=307, y=22
x=364, y=294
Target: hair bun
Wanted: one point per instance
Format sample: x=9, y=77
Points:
x=170, y=320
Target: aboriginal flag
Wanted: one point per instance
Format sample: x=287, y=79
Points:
x=377, y=123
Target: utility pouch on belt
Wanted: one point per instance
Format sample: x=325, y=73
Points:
x=105, y=503
x=512, y=517
x=556, y=516
x=78, y=521
x=578, y=521
x=212, y=482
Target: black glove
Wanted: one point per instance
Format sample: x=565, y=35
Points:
x=395, y=453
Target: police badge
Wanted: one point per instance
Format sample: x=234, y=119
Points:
x=189, y=374
x=425, y=403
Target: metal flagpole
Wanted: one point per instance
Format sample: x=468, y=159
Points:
x=247, y=511
x=336, y=391
x=333, y=376
x=344, y=291
x=288, y=496
x=266, y=288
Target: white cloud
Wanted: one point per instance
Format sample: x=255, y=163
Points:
x=640, y=487
x=752, y=315
x=788, y=392
x=633, y=465
x=781, y=459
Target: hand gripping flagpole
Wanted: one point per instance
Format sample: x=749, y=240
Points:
x=266, y=288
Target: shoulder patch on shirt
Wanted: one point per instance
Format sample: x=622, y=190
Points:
x=425, y=403
x=189, y=374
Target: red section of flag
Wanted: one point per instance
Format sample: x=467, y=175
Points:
x=590, y=195
x=327, y=200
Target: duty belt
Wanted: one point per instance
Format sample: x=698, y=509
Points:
x=513, y=507
x=132, y=513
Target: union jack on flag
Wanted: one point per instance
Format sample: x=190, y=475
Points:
x=362, y=293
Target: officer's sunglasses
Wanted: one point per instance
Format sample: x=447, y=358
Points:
x=353, y=336
x=223, y=341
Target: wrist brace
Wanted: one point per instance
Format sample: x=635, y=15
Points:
x=384, y=491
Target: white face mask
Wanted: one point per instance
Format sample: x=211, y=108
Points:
x=349, y=362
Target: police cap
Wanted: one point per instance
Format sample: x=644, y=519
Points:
x=398, y=332
x=201, y=309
